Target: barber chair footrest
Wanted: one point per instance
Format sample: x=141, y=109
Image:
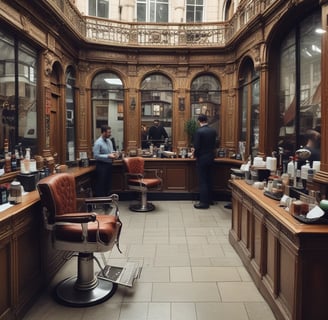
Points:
x=142, y=208
x=67, y=294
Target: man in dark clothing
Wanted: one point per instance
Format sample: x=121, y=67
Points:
x=204, y=144
x=157, y=133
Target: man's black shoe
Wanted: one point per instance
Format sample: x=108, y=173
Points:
x=201, y=206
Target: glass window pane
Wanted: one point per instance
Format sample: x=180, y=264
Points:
x=141, y=12
x=190, y=14
x=93, y=8
x=162, y=13
x=103, y=8
x=199, y=14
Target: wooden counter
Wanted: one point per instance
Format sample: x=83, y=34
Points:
x=287, y=260
x=27, y=259
x=179, y=176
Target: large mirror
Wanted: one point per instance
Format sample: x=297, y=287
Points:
x=300, y=83
x=206, y=99
x=107, y=106
x=156, y=110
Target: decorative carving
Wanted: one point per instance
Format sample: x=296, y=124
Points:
x=48, y=62
x=26, y=23
x=257, y=57
x=84, y=66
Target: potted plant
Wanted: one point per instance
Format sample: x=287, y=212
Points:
x=191, y=127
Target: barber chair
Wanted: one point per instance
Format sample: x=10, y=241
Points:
x=139, y=179
x=80, y=232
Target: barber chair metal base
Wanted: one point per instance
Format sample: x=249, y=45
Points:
x=140, y=208
x=85, y=289
x=67, y=294
x=143, y=206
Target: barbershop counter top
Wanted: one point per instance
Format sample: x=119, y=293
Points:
x=30, y=198
x=218, y=160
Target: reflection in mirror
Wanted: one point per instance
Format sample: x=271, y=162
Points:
x=156, y=104
x=107, y=106
x=206, y=99
x=249, y=91
x=18, y=77
x=300, y=83
x=70, y=115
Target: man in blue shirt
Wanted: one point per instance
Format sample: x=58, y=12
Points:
x=104, y=154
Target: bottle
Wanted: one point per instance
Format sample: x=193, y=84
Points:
x=304, y=173
x=13, y=162
x=304, y=170
x=6, y=146
x=291, y=168
x=17, y=158
x=299, y=184
x=7, y=162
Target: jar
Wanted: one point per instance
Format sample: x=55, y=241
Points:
x=15, y=192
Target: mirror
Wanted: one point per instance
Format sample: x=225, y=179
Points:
x=156, y=104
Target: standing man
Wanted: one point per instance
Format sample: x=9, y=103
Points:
x=204, y=144
x=157, y=133
x=104, y=154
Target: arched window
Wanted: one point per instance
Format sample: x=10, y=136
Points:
x=70, y=114
x=249, y=85
x=300, y=83
x=107, y=106
x=156, y=103
x=205, y=95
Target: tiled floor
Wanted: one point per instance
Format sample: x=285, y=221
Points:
x=190, y=271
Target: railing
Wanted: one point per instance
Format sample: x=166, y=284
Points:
x=153, y=34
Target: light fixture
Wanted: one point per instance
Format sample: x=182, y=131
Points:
x=133, y=103
x=320, y=30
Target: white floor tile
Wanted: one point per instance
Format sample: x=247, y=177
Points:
x=190, y=271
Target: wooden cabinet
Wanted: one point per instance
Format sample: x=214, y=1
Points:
x=20, y=259
x=180, y=177
x=27, y=259
x=287, y=260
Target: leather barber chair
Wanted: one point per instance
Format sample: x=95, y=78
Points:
x=139, y=179
x=81, y=232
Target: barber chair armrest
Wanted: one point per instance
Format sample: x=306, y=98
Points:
x=99, y=200
x=76, y=218
x=133, y=175
x=112, y=199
